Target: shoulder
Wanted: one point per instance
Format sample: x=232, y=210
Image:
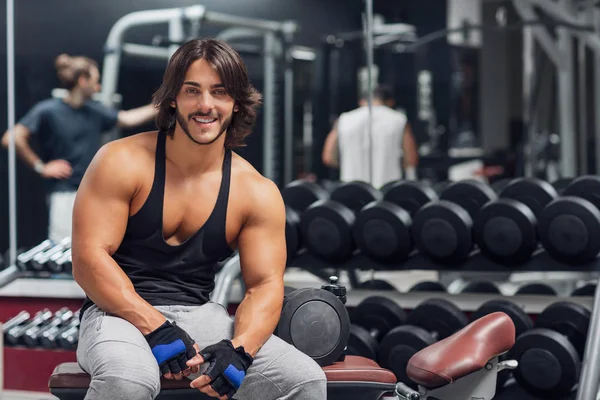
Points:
x=258, y=192
x=125, y=159
x=46, y=105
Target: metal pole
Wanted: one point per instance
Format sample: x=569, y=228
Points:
x=528, y=117
x=566, y=100
x=12, y=162
x=288, y=112
x=582, y=107
x=176, y=33
x=590, y=368
x=269, y=106
x=369, y=42
x=596, y=100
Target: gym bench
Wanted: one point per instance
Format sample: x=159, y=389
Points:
x=462, y=366
x=355, y=378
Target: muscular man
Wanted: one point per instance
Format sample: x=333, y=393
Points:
x=154, y=215
x=392, y=147
x=68, y=132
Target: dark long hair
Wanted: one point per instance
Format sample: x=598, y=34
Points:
x=232, y=71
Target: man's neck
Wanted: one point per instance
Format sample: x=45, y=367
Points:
x=192, y=158
x=75, y=99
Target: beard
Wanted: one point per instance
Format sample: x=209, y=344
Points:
x=185, y=126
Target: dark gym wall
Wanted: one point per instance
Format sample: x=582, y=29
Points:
x=44, y=29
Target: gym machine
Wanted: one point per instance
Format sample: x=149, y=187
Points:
x=276, y=41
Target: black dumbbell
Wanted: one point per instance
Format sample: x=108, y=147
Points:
x=60, y=262
x=68, y=338
x=569, y=226
x=428, y=286
x=18, y=320
x=376, y=284
x=589, y=289
x=371, y=320
x=550, y=354
x=442, y=229
x=326, y=226
x=480, y=287
x=298, y=196
x=536, y=288
x=32, y=336
x=39, y=261
x=506, y=229
x=50, y=338
x=24, y=258
x=561, y=184
x=521, y=320
x=382, y=230
x=432, y=320
x=15, y=335
x=316, y=322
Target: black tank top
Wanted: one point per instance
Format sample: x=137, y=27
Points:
x=163, y=274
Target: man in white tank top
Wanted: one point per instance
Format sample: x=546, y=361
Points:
x=391, y=149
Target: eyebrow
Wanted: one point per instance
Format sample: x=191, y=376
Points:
x=196, y=84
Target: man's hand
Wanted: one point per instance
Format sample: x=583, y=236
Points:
x=226, y=370
x=172, y=347
x=57, y=169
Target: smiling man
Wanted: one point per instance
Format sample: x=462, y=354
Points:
x=155, y=214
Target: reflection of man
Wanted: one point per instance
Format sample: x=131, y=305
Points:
x=392, y=146
x=69, y=133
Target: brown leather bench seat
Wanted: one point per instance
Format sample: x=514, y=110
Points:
x=354, y=378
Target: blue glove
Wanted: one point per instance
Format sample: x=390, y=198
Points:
x=227, y=366
x=172, y=347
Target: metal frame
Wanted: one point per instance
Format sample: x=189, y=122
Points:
x=12, y=162
x=273, y=33
x=561, y=53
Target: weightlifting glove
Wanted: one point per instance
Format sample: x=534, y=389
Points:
x=227, y=366
x=172, y=347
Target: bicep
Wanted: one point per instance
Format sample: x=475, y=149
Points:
x=261, y=241
x=101, y=208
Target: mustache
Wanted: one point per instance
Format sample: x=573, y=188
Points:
x=201, y=114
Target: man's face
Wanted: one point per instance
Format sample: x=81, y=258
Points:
x=90, y=85
x=203, y=107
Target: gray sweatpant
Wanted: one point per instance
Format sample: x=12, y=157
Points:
x=121, y=365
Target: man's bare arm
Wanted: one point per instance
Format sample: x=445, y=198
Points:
x=24, y=151
x=263, y=255
x=136, y=116
x=330, y=155
x=409, y=148
x=100, y=218
x=410, y=153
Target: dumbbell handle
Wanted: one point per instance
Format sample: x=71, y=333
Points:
x=24, y=258
x=406, y=393
x=40, y=259
x=69, y=338
x=33, y=334
x=14, y=335
x=48, y=339
x=56, y=261
x=15, y=321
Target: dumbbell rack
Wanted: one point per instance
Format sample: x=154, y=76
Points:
x=540, y=262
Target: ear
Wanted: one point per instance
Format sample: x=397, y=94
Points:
x=236, y=108
x=173, y=105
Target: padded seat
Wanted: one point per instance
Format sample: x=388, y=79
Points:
x=464, y=352
x=354, y=378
